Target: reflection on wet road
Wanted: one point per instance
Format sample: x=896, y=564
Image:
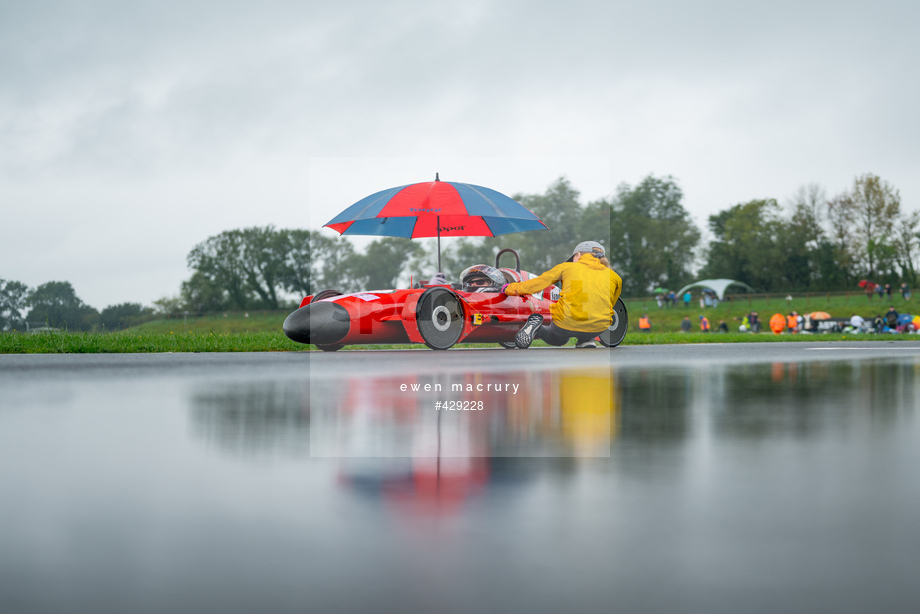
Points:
x=772, y=486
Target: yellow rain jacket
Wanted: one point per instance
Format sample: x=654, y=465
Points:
x=589, y=292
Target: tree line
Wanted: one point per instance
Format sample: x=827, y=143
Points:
x=811, y=242
x=55, y=304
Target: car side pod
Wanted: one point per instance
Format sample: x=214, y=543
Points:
x=322, y=323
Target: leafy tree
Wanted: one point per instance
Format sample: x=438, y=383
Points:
x=57, y=304
x=653, y=235
x=461, y=254
x=13, y=300
x=315, y=262
x=219, y=260
x=116, y=317
x=846, y=253
x=200, y=294
x=906, y=242
x=539, y=250
x=383, y=262
x=828, y=273
x=168, y=305
x=808, y=207
x=561, y=212
x=263, y=255
x=747, y=245
x=872, y=207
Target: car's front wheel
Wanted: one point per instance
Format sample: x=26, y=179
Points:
x=440, y=318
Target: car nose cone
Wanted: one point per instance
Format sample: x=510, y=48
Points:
x=319, y=323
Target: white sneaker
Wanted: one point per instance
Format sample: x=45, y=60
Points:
x=586, y=344
x=525, y=336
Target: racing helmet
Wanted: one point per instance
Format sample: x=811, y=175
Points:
x=481, y=276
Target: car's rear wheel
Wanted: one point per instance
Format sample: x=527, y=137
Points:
x=440, y=318
x=614, y=335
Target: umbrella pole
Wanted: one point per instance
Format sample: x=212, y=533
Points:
x=438, y=222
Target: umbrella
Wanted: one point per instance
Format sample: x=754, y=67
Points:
x=435, y=209
x=820, y=315
x=863, y=283
x=660, y=290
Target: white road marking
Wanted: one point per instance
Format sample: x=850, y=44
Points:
x=859, y=349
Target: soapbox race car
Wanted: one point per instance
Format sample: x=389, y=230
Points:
x=438, y=315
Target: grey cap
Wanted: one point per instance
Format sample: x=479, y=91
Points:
x=588, y=247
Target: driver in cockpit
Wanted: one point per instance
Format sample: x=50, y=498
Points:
x=482, y=278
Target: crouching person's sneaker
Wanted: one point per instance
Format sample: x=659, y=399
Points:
x=525, y=336
x=586, y=344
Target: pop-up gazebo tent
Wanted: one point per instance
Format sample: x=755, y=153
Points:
x=719, y=285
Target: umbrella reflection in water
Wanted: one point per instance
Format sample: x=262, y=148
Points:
x=396, y=446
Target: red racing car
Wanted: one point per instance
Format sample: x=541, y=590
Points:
x=438, y=315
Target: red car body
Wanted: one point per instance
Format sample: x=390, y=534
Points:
x=439, y=316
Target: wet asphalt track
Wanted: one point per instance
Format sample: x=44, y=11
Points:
x=639, y=479
x=336, y=364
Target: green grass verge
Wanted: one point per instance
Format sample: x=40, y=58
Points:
x=261, y=331
x=837, y=305
x=221, y=323
x=132, y=342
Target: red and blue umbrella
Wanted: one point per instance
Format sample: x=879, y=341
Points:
x=436, y=209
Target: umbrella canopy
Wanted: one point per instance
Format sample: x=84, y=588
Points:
x=820, y=315
x=660, y=290
x=436, y=209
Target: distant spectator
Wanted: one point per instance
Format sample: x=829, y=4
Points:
x=891, y=318
x=687, y=297
x=659, y=299
x=870, y=290
x=745, y=324
x=808, y=325
x=905, y=291
x=778, y=323
x=685, y=325
x=723, y=327
x=858, y=323
x=755, y=322
x=644, y=324
x=880, y=290
x=704, y=324
x=672, y=299
x=888, y=291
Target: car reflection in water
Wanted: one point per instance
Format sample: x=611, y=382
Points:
x=393, y=442
x=729, y=487
x=389, y=439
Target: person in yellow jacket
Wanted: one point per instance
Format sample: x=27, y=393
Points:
x=590, y=289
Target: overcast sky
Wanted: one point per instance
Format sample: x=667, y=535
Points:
x=130, y=131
